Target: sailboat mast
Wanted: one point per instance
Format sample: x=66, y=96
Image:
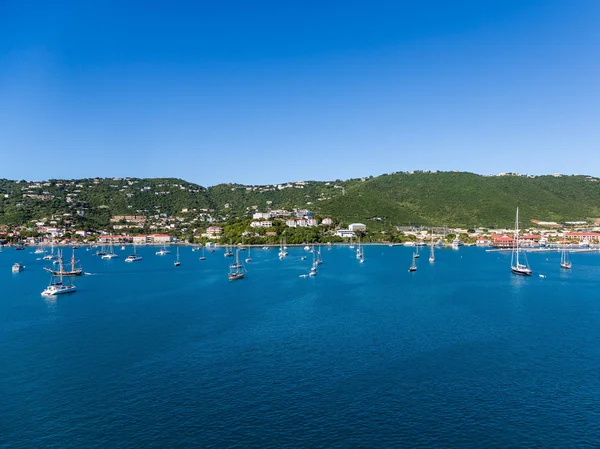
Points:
x=516, y=252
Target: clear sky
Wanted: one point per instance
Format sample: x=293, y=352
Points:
x=271, y=91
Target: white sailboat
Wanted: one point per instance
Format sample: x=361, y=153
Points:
x=360, y=255
x=203, y=256
x=351, y=244
x=133, y=257
x=515, y=262
x=416, y=253
x=313, y=269
x=110, y=254
x=564, y=262
x=282, y=250
x=413, y=266
x=228, y=251
x=163, y=251
x=177, y=263
x=51, y=255
x=56, y=286
x=431, y=250
x=249, y=258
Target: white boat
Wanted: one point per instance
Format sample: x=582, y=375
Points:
x=17, y=268
x=282, y=250
x=133, y=257
x=431, y=250
x=110, y=254
x=51, y=255
x=360, y=253
x=456, y=243
x=307, y=248
x=228, y=251
x=249, y=258
x=237, y=272
x=351, y=244
x=319, y=258
x=56, y=286
x=177, y=263
x=515, y=262
x=413, y=266
x=58, y=289
x=409, y=243
x=39, y=250
x=203, y=257
x=122, y=247
x=564, y=262
x=163, y=251
x=416, y=253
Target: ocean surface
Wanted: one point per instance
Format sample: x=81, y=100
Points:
x=460, y=353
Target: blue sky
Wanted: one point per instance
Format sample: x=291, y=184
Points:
x=271, y=91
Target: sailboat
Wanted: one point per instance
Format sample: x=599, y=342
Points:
x=242, y=247
x=413, y=266
x=163, y=251
x=237, y=272
x=416, y=254
x=564, y=262
x=431, y=250
x=515, y=264
x=360, y=253
x=203, y=257
x=351, y=244
x=56, y=286
x=228, y=252
x=101, y=251
x=110, y=254
x=313, y=269
x=61, y=271
x=282, y=250
x=40, y=249
x=177, y=263
x=248, y=259
x=133, y=257
x=51, y=255
x=319, y=260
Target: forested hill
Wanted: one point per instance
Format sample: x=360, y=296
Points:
x=441, y=198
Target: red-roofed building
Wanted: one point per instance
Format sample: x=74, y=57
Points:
x=502, y=241
x=530, y=238
x=589, y=236
x=140, y=239
x=114, y=239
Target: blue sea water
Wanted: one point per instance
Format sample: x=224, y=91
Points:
x=460, y=353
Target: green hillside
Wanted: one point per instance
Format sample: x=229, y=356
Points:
x=443, y=198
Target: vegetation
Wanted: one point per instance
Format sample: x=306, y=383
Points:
x=420, y=198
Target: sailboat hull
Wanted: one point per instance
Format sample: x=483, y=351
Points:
x=59, y=290
x=521, y=271
x=77, y=272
